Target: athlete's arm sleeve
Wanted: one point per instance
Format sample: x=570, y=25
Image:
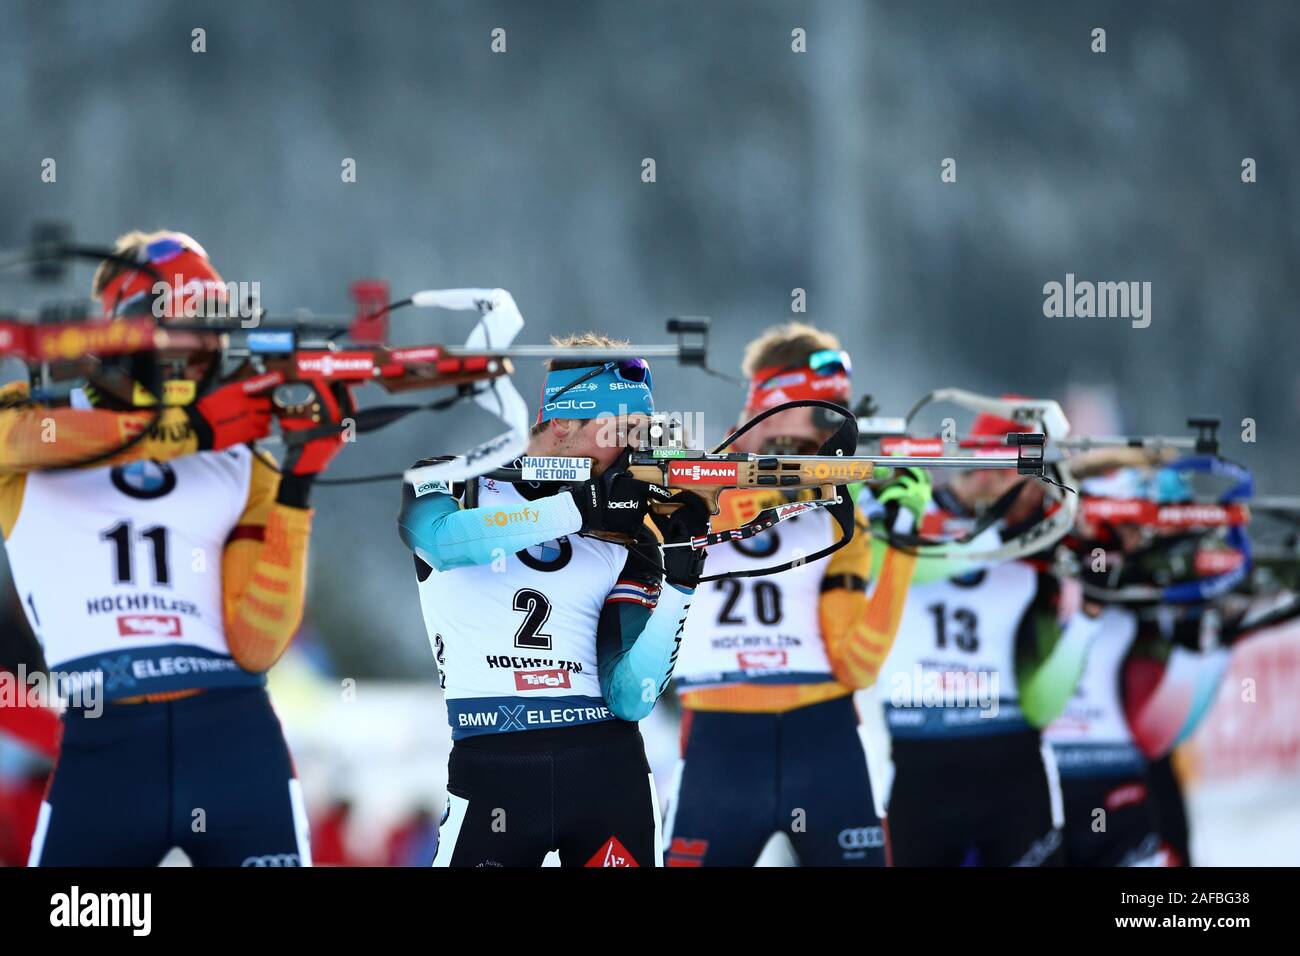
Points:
x=264, y=571
x=33, y=437
x=1169, y=687
x=444, y=535
x=858, y=631
x=1050, y=652
x=638, y=636
x=928, y=568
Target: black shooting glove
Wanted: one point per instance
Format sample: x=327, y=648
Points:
x=684, y=565
x=613, y=501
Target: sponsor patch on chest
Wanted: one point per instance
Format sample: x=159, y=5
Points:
x=762, y=660
x=149, y=625
x=541, y=680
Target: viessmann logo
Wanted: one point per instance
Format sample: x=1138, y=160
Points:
x=702, y=474
x=1113, y=509
x=1192, y=514
x=541, y=680
x=357, y=363
x=916, y=447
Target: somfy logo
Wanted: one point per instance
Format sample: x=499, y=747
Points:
x=103, y=909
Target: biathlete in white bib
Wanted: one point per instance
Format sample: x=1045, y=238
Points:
x=551, y=643
x=1155, y=665
x=770, y=740
x=162, y=582
x=984, y=659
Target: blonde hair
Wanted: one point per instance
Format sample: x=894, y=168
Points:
x=129, y=245
x=577, y=340
x=788, y=344
x=582, y=340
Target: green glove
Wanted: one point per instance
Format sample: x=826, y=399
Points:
x=910, y=489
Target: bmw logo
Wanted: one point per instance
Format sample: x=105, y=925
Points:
x=547, y=556
x=972, y=579
x=760, y=546
x=144, y=479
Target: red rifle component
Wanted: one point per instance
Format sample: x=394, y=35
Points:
x=1143, y=512
x=911, y=446
x=371, y=324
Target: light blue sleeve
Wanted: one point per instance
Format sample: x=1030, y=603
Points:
x=1213, y=665
x=444, y=535
x=636, y=651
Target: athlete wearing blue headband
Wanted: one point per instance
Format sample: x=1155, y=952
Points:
x=614, y=388
x=551, y=643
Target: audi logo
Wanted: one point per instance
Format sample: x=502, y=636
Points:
x=862, y=838
x=273, y=859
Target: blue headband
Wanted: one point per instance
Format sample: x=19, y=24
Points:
x=1172, y=476
x=596, y=396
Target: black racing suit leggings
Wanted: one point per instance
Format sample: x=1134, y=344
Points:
x=585, y=792
x=976, y=801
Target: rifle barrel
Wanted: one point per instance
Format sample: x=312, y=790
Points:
x=1126, y=441
x=552, y=351
x=917, y=461
x=1275, y=503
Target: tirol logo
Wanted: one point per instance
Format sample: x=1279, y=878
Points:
x=613, y=853
x=761, y=660
x=541, y=680
x=547, y=556
x=143, y=479
x=149, y=625
x=696, y=473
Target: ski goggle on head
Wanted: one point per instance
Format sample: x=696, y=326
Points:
x=824, y=375
x=188, y=278
x=613, y=388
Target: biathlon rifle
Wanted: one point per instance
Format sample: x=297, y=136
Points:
x=292, y=358
x=894, y=436
x=660, y=456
